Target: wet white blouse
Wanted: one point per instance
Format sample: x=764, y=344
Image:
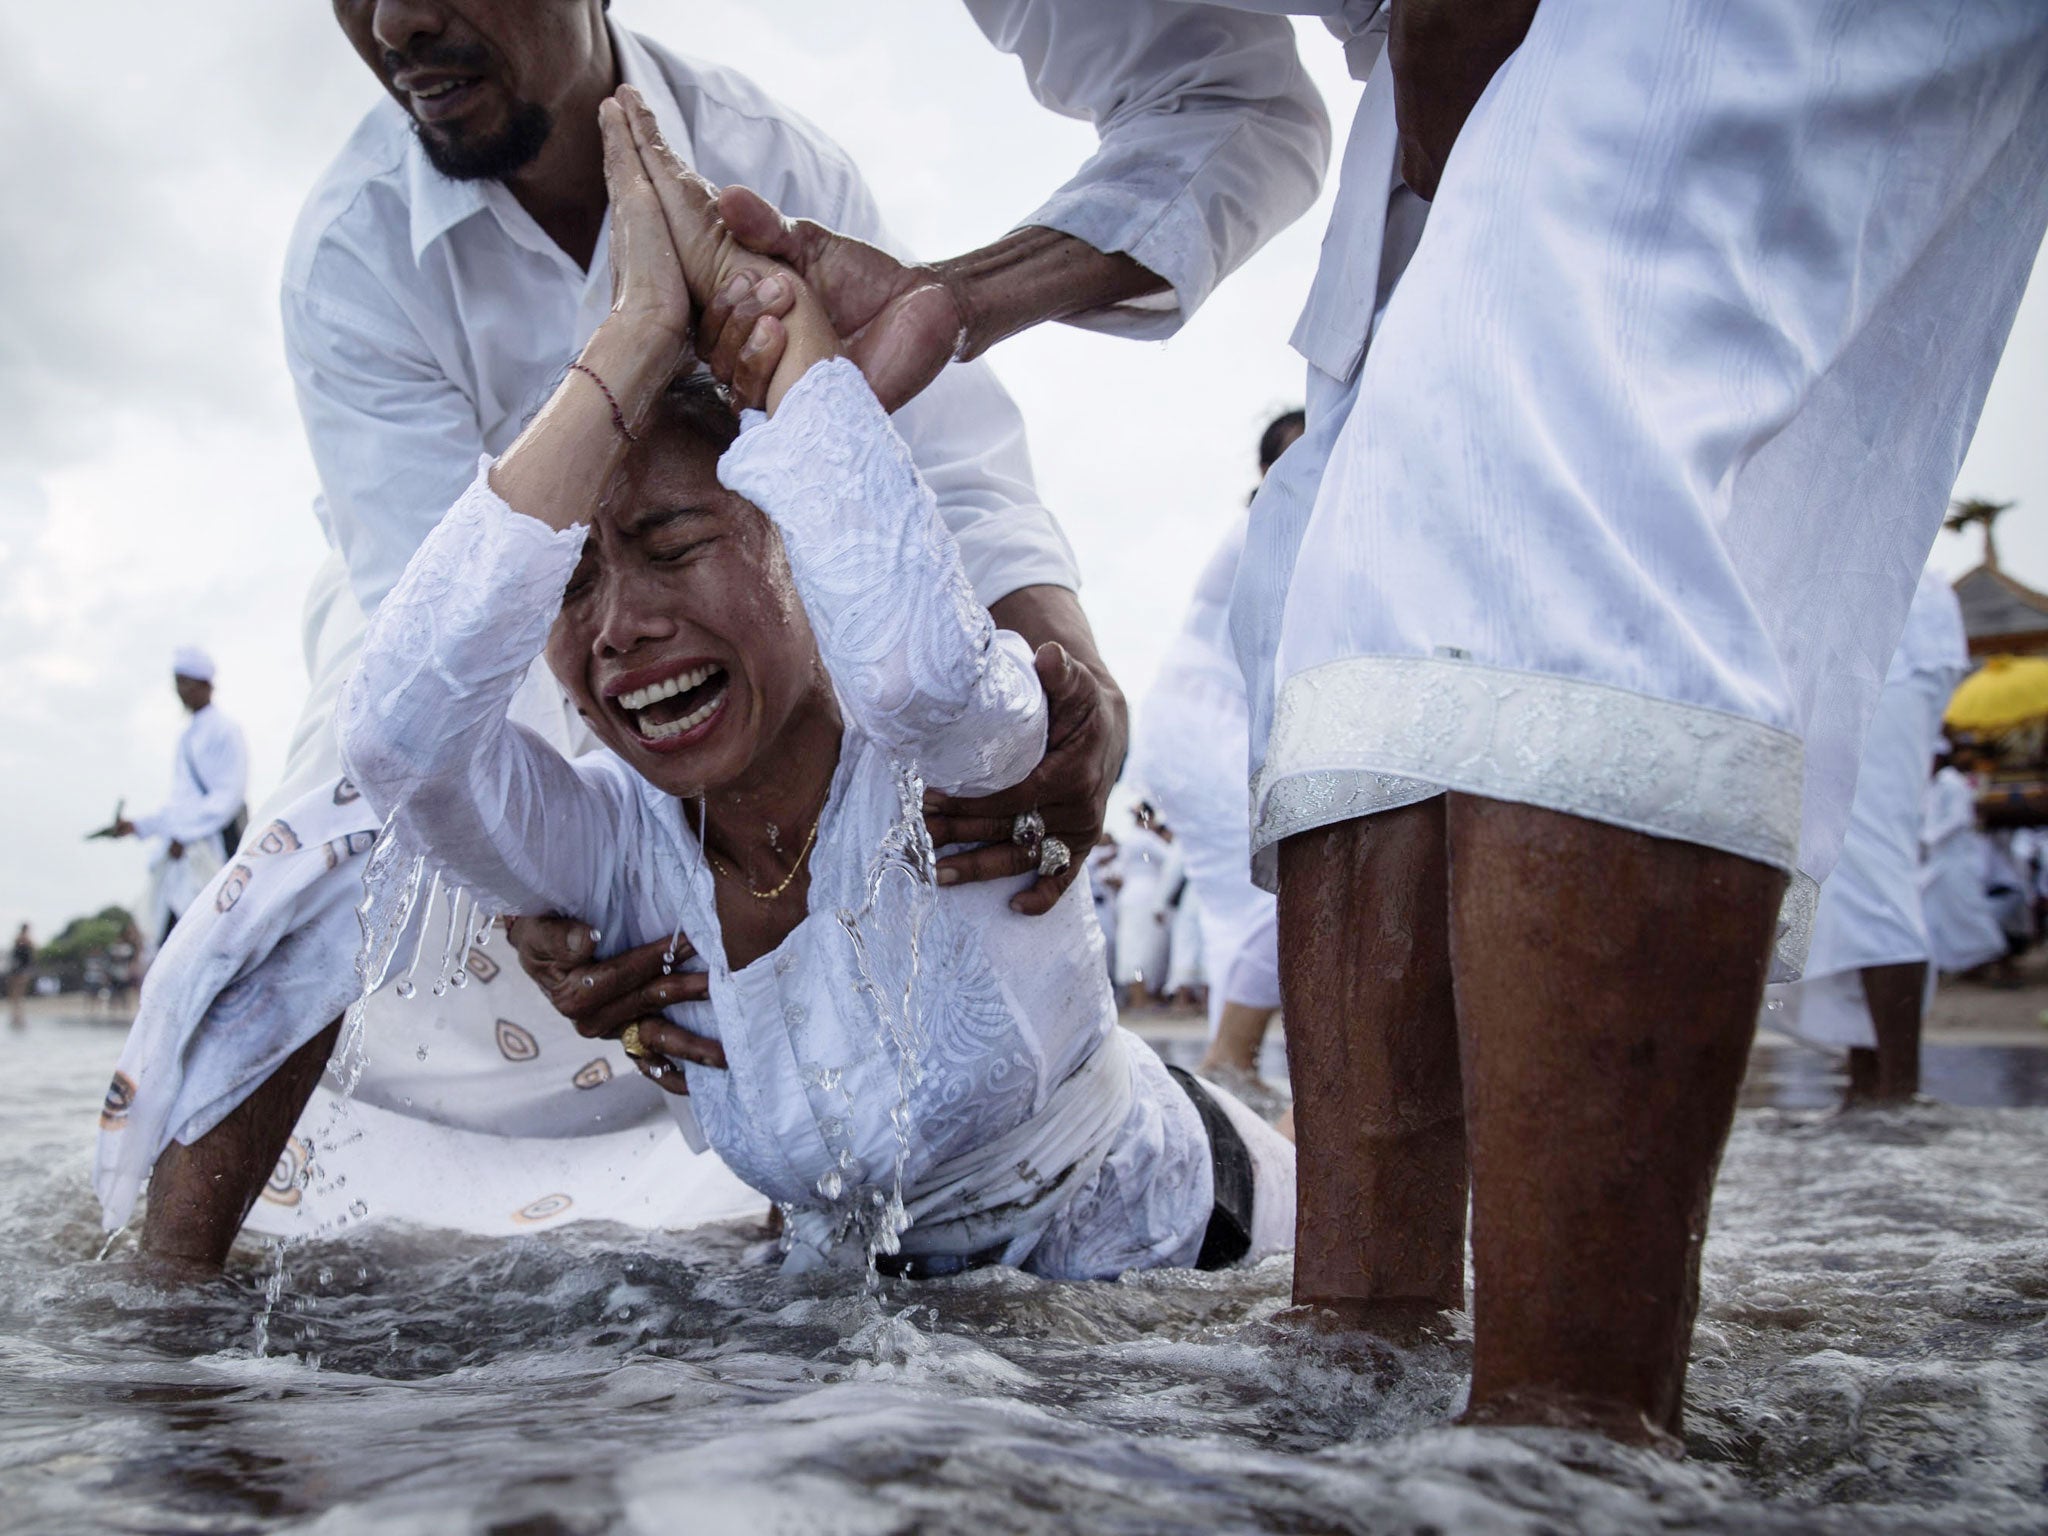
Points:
x=1027, y=1124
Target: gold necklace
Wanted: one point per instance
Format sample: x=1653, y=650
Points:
x=719, y=865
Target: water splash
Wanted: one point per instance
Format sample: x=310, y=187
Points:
x=273, y=1292
x=456, y=896
x=406, y=988
x=874, y=1215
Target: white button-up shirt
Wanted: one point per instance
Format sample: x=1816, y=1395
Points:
x=209, y=777
x=425, y=319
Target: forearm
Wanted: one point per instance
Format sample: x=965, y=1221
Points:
x=1054, y=614
x=1444, y=54
x=918, y=662
x=562, y=464
x=424, y=725
x=1211, y=136
x=1034, y=275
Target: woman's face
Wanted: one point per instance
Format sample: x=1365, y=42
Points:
x=681, y=638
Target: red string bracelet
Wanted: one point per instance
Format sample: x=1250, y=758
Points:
x=618, y=416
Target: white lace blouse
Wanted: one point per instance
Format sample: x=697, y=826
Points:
x=1027, y=1125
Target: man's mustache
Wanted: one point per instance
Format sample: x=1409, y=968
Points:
x=462, y=58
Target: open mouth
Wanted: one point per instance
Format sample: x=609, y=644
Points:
x=433, y=100
x=676, y=709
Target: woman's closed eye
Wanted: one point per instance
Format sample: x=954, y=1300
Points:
x=581, y=581
x=674, y=551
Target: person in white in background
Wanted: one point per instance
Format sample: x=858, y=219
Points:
x=1104, y=882
x=444, y=269
x=1189, y=741
x=1563, y=625
x=1867, y=974
x=1151, y=868
x=1187, y=976
x=1962, y=925
x=209, y=793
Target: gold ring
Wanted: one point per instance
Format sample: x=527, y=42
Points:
x=629, y=1042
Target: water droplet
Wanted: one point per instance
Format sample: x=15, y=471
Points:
x=830, y=1184
x=461, y=978
x=405, y=990
x=596, y=937
x=326, y=1275
x=358, y=1208
x=421, y=1053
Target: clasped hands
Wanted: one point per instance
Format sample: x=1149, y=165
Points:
x=741, y=261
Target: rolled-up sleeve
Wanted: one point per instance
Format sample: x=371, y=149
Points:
x=1213, y=138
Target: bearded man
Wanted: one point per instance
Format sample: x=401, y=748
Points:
x=444, y=270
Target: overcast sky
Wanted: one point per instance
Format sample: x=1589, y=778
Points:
x=154, y=487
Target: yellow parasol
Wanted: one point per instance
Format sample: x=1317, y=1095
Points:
x=2006, y=691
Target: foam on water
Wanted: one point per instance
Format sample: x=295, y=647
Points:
x=1873, y=1357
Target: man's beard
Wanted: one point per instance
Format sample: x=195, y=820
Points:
x=496, y=158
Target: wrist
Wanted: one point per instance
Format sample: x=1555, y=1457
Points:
x=1032, y=275
x=636, y=357
x=812, y=340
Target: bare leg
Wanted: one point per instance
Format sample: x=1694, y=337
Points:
x=1240, y=1032
x=200, y=1195
x=1365, y=980
x=1607, y=985
x=1895, y=994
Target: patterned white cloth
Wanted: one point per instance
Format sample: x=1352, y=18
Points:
x=1023, y=1120
x=1627, y=501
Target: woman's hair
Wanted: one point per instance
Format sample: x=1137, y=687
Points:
x=698, y=404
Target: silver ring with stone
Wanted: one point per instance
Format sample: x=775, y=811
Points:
x=1053, y=856
x=1027, y=829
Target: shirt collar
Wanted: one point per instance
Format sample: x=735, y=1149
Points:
x=438, y=203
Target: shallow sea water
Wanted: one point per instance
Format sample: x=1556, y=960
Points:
x=1872, y=1357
